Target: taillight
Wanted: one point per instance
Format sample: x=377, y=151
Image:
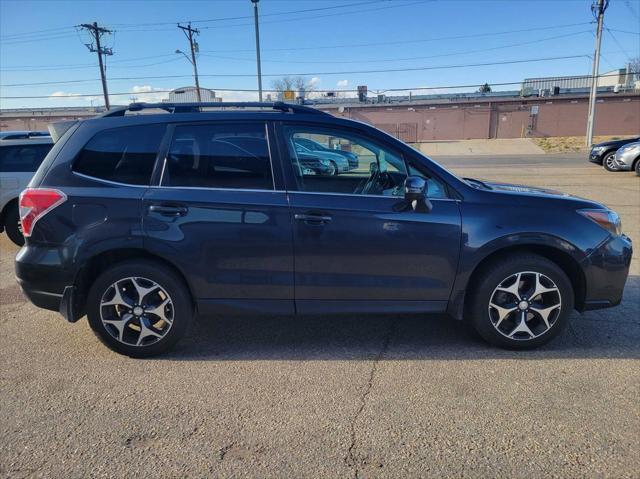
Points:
x=35, y=203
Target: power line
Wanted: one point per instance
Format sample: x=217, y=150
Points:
x=381, y=90
x=245, y=17
x=401, y=42
x=383, y=60
x=47, y=31
x=315, y=17
x=377, y=60
x=242, y=75
x=617, y=42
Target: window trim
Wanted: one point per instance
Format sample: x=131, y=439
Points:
x=157, y=183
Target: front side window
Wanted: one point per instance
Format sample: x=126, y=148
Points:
x=22, y=158
x=335, y=162
x=219, y=156
x=124, y=155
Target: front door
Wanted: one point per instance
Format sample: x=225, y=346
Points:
x=218, y=215
x=353, y=250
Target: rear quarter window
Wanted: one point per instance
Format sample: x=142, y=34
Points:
x=22, y=158
x=124, y=155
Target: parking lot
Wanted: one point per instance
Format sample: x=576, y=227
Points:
x=333, y=397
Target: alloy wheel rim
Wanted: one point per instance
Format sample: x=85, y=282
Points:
x=525, y=305
x=136, y=311
x=611, y=162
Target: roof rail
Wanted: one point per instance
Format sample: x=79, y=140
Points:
x=197, y=107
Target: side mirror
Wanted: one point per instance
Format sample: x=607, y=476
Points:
x=415, y=194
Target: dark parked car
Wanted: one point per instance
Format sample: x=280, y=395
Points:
x=605, y=153
x=142, y=221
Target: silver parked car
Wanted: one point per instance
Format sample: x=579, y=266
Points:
x=628, y=158
x=19, y=159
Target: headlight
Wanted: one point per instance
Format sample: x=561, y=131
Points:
x=627, y=148
x=608, y=219
x=597, y=149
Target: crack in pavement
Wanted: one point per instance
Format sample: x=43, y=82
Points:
x=349, y=459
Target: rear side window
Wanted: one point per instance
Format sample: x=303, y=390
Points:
x=219, y=156
x=22, y=158
x=125, y=155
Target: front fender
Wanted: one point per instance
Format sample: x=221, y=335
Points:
x=472, y=258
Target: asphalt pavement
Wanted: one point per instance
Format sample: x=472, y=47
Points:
x=349, y=396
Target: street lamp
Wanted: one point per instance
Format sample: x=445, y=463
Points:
x=185, y=55
x=255, y=18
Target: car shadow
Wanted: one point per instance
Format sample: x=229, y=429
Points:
x=611, y=333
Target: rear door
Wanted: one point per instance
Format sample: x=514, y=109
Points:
x=219, y=212
x=354, y=250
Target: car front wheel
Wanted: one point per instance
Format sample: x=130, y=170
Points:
x=139, y=308
x=637, y=168
x=609, y=162
x=521, y=302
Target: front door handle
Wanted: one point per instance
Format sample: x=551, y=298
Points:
x=313, y=219
x=168, y=210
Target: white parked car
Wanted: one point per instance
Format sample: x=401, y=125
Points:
x=628, y=158
x=19, y=159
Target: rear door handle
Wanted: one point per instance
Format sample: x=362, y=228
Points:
x=168, y=210
x=314, y=219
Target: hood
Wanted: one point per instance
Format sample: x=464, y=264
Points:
x=531, y=190
x=616, y=142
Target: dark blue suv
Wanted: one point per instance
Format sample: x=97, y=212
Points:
x=150, y=214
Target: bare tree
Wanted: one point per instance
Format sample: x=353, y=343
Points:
x=484, y=88
x=297, y=84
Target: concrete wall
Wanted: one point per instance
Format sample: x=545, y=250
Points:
x=451, y=119
x=512, y=118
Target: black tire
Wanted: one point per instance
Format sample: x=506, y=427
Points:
x=182, y=309
x=637, y=167
x=334, y=172
x=608, y=163
x=494, y=275
x=12, y=225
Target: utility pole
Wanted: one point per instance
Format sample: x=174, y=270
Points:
x=97, y=32
x=255, y=18
x=598, y=8
x=193, y=45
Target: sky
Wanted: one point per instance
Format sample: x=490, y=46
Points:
x=335, y=44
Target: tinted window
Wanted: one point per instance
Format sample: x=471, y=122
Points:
x=22, y=158
x=125, y=155
x=219, y=156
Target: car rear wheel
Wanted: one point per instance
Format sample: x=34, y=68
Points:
x=333, y=168
x=12, y=225
x=637, y=167
x=521, y=302
x=609, y=162
x=139, y=308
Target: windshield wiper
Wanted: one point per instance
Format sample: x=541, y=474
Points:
x=477, y=184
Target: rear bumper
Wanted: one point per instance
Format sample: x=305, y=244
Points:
x=606, y=271
x=42, y=277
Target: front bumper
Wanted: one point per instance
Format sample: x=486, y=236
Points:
x=606, y=270
x=595, y=157
x=621, y=164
